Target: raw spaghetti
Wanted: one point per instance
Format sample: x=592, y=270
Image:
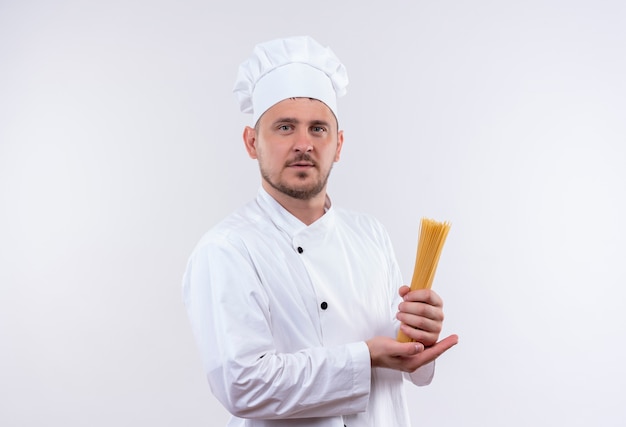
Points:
x=430, y=244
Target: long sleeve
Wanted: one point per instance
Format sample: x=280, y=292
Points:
x=232, y=319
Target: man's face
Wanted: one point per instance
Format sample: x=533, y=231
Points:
x=296, y=143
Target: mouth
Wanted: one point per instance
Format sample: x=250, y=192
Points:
x=301, y=164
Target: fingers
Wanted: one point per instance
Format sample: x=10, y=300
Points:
x=411, y=363
x=433, y=352
x=388, y=353
x=400, y=349
x=425, y=337
x=427, y=296
x=422, y=309
x=411, y=312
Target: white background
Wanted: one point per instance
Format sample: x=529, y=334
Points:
x=120, y=144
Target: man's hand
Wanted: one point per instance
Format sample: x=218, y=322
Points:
x=386, y=352
x=421, y=314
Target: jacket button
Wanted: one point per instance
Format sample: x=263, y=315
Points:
x=324, y=305
x=300, y=250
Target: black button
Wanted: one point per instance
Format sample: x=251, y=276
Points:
x=324, y=305
x=300, y=250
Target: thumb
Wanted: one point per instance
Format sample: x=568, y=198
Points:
x=404, y=289
x=411, y=348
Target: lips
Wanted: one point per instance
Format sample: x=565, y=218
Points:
x=301, y=161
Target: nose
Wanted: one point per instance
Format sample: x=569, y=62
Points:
x=303, y=142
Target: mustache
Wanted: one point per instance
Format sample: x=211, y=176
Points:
x=302, y=158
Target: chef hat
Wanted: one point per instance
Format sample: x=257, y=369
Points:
x=289, y=68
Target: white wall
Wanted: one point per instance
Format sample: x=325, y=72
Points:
x=120, y=144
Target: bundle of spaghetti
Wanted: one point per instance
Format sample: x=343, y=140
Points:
x=432, y=236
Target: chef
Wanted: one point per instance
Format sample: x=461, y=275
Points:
x=295, y=302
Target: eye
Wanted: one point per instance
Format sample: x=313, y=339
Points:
x=284, y=128
x=318, y=129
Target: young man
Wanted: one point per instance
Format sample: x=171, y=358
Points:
x=295, y=303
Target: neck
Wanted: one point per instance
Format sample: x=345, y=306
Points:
x=308, y=211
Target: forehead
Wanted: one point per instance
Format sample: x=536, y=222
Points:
x=301, y=109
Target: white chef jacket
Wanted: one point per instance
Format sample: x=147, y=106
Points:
x=281, y=311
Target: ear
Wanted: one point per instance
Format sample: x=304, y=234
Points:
x=339, y=145
x=249, y=139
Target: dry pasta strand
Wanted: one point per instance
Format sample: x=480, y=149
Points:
x=432, y=236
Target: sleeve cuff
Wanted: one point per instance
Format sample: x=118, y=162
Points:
x=362, y=375
x=423, y=375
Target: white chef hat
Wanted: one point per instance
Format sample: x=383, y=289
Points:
x=289, y=68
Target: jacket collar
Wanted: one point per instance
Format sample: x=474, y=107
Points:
x=287, y=222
